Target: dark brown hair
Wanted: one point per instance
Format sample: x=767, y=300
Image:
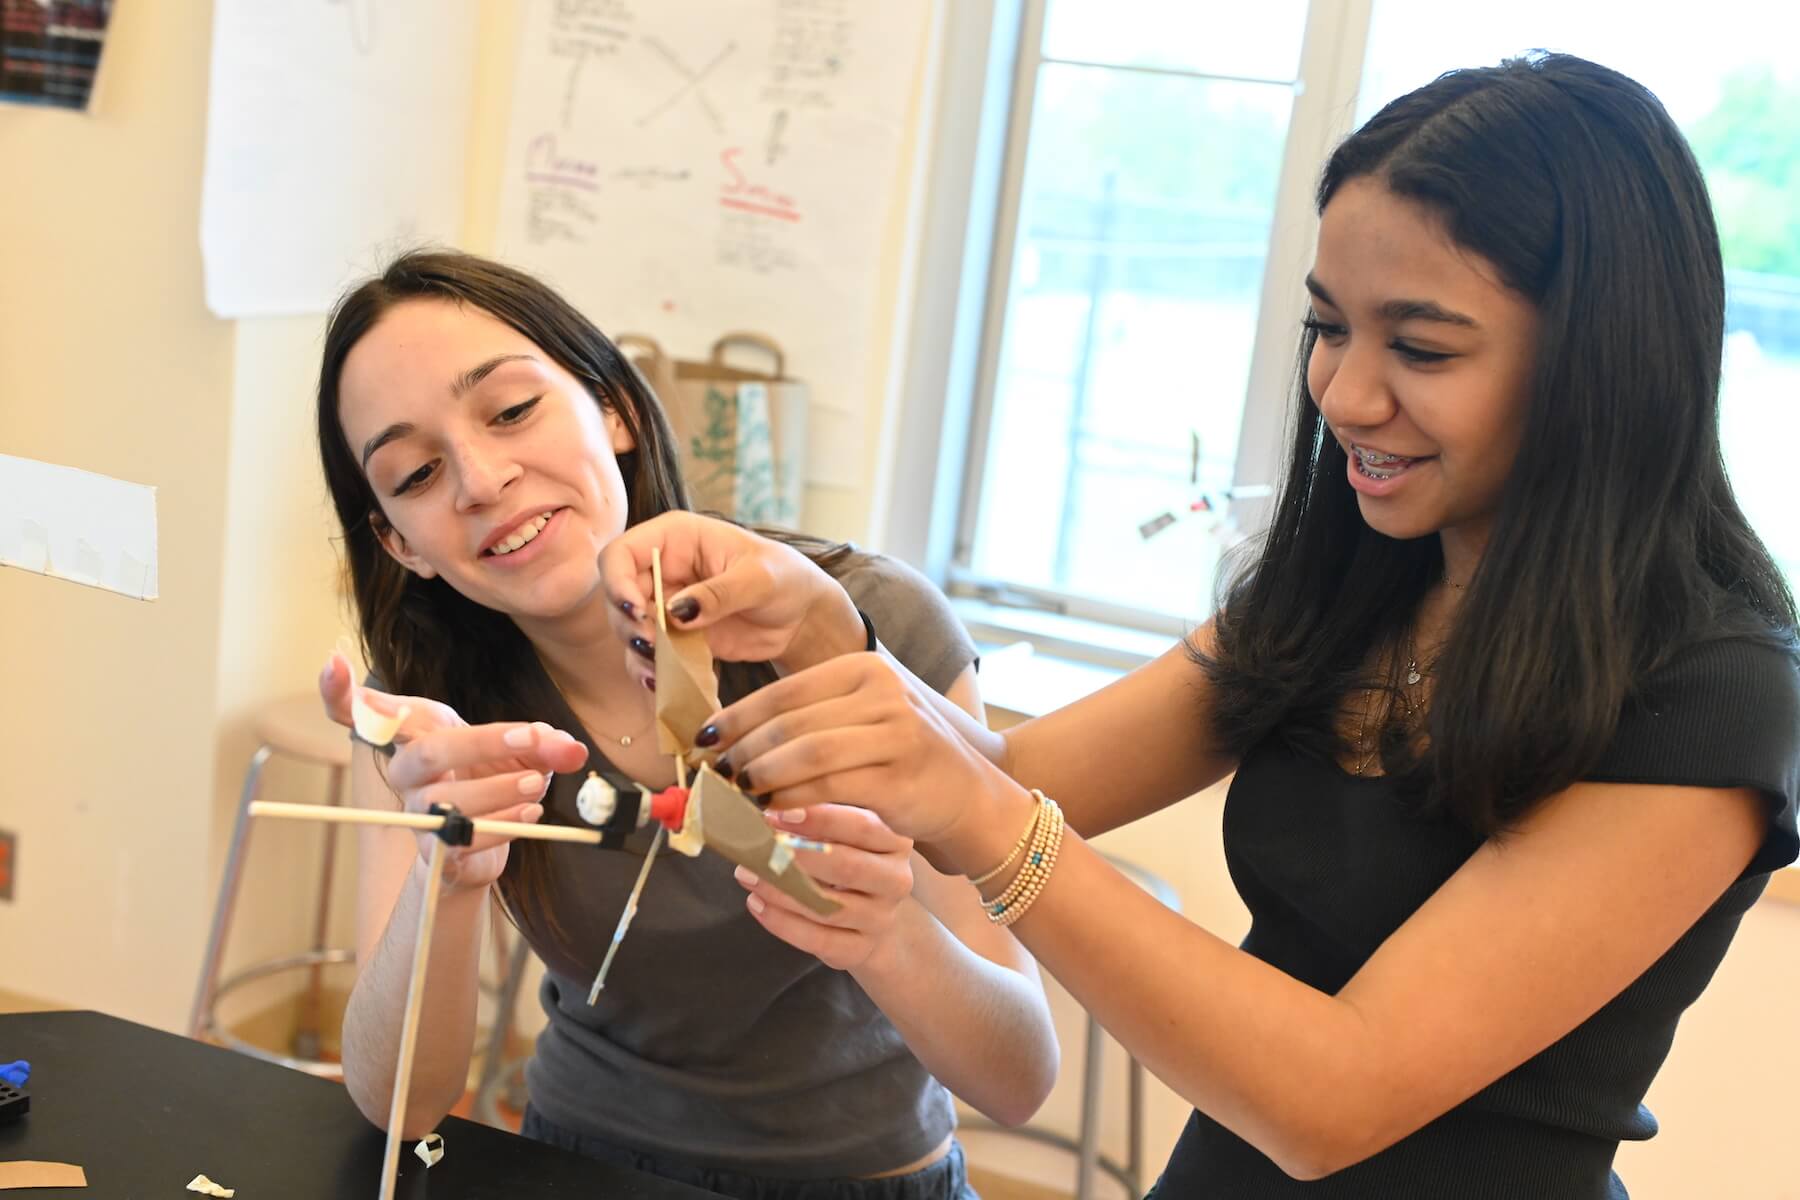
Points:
x=1617, y=543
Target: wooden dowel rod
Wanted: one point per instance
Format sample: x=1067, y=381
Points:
x=409, y=1026
x=423, y=821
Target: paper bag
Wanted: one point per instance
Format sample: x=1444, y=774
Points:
x=742, y=433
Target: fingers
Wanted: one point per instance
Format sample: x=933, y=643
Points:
x=884, y=880
x=869, y=899
x=692, y=546
x=839, y=825
x=338, y=689
x=527, y=814
x=436, y=753
x=826, y=765
x=835, y=947
x=855, y=708
x=335, y=686
x=866, y=675
x=746, y=582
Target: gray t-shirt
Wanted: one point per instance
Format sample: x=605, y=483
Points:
x=713, y=1040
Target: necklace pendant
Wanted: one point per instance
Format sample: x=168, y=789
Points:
x=625, y=741
x=1412, y=675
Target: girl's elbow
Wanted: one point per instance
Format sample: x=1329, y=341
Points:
x=1328, y=1142
x=373, y=1095
x=1031, y=1087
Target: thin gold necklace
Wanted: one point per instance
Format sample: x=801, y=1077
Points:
x=624, y=739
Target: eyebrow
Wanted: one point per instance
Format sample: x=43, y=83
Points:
x=462, y=385
x=1404, y=310
x=381, y=439
x=474, y=375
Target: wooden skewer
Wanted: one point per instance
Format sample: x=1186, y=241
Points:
x=662, y=617
x=643, y=877
x=409, y=1028
x=421, y=821
x=631, y=903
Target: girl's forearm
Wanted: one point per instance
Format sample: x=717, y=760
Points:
x=377, y=1007
x=981, y=1028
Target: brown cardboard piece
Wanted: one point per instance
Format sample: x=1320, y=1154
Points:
x=687, y=692
x=28, y=1174
x=737, y=831
x=721, y=816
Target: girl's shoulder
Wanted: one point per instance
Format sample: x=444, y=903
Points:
x=913, y=619
x=1723, y=711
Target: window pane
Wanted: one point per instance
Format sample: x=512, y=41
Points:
x=1734, y=88
x=1138, y=263
x=1255, y=41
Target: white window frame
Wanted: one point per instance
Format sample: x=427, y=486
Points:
x=968, y=186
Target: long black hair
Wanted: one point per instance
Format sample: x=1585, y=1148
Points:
x=1617, y=541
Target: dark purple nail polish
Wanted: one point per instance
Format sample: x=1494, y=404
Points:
x=743, y=780
x=643, y=647
x=761, y=802
x=628, y=608
x=724, y=768
x=708, y=736
x=649, y=685
x=685, y=609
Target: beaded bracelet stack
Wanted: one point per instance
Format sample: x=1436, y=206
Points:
x=1044, y=837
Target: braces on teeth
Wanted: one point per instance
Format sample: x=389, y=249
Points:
x=1372, y=464
x=521, y=535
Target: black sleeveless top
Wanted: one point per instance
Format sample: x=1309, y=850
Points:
x=1330, y=865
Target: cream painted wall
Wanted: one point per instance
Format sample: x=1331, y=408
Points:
x=109, y=361
x=279, y=615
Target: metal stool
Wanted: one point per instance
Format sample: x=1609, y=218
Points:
x=501, y=1075
x=1086, y=1147
x=297, y=728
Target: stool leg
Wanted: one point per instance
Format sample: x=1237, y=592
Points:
x=307, y=1042
x=1134, y=1157
x=201, y=1018
x=1089, y=1150
x=492, y=1059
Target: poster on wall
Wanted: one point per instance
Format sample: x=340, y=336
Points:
x=336, y=136
x=78, y=526
x=690, y=168
x=50, y=51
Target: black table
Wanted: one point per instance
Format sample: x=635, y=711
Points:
x=143, y=1112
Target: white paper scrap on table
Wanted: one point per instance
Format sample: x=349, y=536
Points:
x=430, y=1149
x=336, y=136
x=207, y=1187
x=75, y=525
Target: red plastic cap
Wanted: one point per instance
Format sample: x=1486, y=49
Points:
x=670, y=807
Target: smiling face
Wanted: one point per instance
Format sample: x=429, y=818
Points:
x=1422, y=367
x=495, y=468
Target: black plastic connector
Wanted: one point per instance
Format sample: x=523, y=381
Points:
x=457, y=830
x=627, y=816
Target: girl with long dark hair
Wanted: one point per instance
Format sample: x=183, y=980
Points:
x=1509, y=688
x=482, y=441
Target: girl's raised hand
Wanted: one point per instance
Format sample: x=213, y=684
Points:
x=867, y=870
x=854, y=730
x=758, y=600
x=499, y=771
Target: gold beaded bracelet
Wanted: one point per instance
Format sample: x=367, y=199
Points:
x=1013, y=856
x=1046, y=841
